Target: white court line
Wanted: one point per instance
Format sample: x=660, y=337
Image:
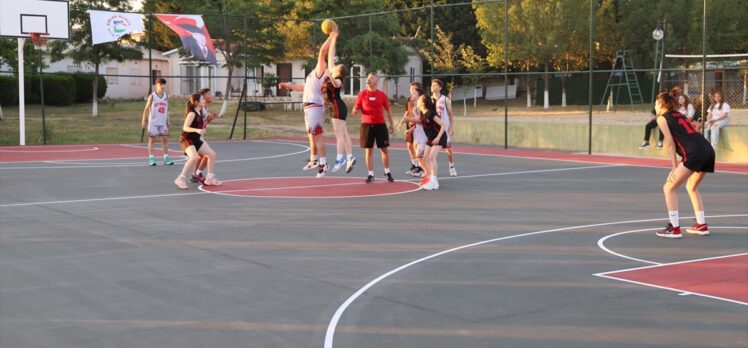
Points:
x=601, y=243
x=167, y=195
x=228, y=192
x=572, y=161
x=116, y=165
x=330, y=334
x=51, y=151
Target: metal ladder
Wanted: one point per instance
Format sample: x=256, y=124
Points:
x=623, y=75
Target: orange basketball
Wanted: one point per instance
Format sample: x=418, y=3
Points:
x=327, y=26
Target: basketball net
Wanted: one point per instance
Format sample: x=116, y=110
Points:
x=38, y=39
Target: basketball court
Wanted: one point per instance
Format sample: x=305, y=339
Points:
x=523, y=248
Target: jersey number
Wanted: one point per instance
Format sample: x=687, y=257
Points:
x=687, y=125
x=161, y=109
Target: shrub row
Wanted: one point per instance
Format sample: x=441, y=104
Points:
x=59, y=89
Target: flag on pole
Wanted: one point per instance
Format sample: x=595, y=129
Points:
x=109, y=26
x=193, y=33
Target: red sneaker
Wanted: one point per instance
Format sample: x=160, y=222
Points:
x=424, y=180
x=670, y=232
x=700, y=229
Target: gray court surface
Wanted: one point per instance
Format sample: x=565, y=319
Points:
x=110, y=254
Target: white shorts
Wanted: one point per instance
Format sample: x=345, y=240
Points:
x=154, y=130
x=314, y=116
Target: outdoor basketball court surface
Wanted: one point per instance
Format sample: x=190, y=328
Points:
x=522, y=249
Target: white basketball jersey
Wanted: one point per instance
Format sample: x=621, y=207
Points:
x=313, y=88
x=159, y=109
x=441, y=110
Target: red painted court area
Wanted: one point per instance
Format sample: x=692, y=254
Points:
x=310, y=187
x=723, y=278
x=15, y=154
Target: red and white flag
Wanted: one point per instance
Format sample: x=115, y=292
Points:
x=193, y=33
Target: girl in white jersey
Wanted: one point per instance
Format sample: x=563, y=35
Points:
x=156, y=121
x=412, y=117
x=314, y=107
x=444, y=109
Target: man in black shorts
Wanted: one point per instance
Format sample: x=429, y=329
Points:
x=370, y=103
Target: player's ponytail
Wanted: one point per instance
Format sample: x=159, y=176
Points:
x=666, y=100
x=192, y=103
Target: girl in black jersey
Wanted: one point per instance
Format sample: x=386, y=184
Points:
x=697, y=160
x=434, y=128
x=338, y=110
x=193, y=146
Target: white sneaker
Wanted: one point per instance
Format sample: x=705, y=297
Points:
x=349, y=165
x=452, y=171
x=181, y=182
x=338, y=164
x=310, y=165
x=212, y=182
x=428, y=186
x=434, y=183
x=322, y=171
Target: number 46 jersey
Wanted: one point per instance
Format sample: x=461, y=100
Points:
x=159, y=109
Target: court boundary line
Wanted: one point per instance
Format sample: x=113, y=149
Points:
x=205, y=192
x=664, y=166
x=118, y=165
x=330, y=333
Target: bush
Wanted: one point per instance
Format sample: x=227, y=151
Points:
x=58, y=89
x=9, y=86
x=84, y=87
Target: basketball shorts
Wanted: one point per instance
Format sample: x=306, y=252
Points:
x=371, y=133
x=314, y=116
x=154, y=130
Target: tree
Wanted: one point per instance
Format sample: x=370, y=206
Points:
x=79, y=46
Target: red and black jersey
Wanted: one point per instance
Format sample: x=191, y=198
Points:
x=430, y=127
x=333, y=100
x=689, y=143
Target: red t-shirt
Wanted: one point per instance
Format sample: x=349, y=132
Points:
x=371, y=104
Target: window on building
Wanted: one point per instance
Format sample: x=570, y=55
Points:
x=188, y=79
x=412, y=74
x=357, y=75
x=154, y=75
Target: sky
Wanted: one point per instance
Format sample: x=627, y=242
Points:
x=136, y=5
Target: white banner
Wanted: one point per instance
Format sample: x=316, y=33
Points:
x=109, y=26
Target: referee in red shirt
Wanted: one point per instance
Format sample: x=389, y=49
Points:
x=370, y=103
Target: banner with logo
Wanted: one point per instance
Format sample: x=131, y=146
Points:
x=193, y=33
x=109, y=26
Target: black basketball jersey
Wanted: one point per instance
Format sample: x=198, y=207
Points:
x=430, y=127
x=688, y=142
x=198, y=121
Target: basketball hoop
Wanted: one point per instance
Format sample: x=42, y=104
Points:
x=38, y=39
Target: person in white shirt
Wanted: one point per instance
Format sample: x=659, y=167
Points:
x=717, y=117
x=156, y=121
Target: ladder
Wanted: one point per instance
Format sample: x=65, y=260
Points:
x=623, y=75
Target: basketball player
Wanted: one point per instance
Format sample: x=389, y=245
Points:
x=338, y=110
x=157, y=113
x=697, y=160
x=314, y=107
x=192, y=143
x=198, y=175
x=444, y=109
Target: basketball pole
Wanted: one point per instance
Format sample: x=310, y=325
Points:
x=21, y=96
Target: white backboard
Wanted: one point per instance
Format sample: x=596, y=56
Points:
x=20, y=18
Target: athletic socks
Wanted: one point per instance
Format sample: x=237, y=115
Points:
x=700, y=217
x=349, y=157
x=386, y=171
x=371, y=173
x=339, y=158
x=451, y=164
x=414, y=162
x=673, y=214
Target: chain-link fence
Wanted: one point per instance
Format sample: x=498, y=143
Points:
x=550, y=74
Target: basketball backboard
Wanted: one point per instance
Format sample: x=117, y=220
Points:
x=20, y=18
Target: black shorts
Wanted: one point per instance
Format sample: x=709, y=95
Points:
x=338, y=110
x=190, y=139
x=442, y=141
x=374, y=132
x=701, y=162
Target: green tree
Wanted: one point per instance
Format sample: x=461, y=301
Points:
x=79, y=47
